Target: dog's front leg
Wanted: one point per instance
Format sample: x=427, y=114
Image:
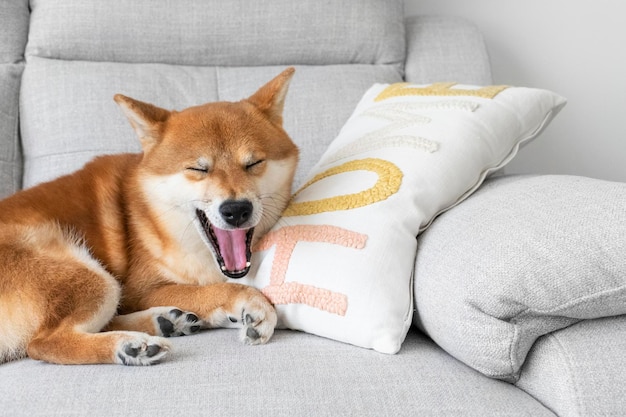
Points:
x=218, y=305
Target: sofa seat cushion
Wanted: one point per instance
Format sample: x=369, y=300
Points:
x=522, y=257
x=579, y=371
x=295, y=374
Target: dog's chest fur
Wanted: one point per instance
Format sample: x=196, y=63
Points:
x=165, y=229
x=181, y=255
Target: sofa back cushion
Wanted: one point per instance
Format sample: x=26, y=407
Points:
x=178, y=54
x=219, y=33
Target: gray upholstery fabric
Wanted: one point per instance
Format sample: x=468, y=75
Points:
x=432, y=58
x=579, y=371
x=212, y=374
x=68, y=113
x=14, y=17
x=10, y=150
x=219, y=33
x=522, y=257
x=80, y=53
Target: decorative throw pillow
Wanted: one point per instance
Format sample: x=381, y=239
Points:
x=339, y=262
x=522, y=257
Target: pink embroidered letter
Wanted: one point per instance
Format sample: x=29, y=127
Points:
x=285, y=240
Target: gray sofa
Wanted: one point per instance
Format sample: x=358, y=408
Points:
x=61, y=62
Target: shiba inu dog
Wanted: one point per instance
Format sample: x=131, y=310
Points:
x=100, y=265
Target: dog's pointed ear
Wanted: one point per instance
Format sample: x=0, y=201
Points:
x=147, y=120
x=270, y=98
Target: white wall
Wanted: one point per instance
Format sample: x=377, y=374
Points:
x=576, y=48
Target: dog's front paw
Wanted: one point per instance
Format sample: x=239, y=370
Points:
x=258, y=319
x=173, y=322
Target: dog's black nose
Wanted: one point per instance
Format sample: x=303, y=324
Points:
x=236, y=212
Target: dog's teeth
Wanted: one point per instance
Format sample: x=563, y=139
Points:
x=248, y=264
x=223, y=268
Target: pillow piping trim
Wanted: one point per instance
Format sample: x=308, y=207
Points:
x=512, y=153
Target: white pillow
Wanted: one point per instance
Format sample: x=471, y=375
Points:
x=339, y=263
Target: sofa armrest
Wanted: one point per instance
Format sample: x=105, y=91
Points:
x=578, y=371
x=445, y=49
x=14, y=17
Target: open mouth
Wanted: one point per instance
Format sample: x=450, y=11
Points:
x=231, y=247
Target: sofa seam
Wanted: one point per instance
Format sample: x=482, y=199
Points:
x=574, y=385
x=217, y=83
x=99, y=152
x=553, y=312
x=540, y=401
x=570, y=371
x=513, y=348
x=25, y=61
x=559, y=309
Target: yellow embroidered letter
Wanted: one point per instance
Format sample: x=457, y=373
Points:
x=437, y=89
x=389, y=180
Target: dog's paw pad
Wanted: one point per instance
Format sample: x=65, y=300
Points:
x=258, y=328
x=252, y=334
x=141, y=349
x=174, y=322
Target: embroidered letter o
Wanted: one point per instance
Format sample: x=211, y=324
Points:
x=389, y=180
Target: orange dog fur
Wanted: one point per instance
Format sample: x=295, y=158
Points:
x=150, y=236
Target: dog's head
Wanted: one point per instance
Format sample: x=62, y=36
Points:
x=226, y=167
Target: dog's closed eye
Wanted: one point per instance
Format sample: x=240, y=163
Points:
x=254, y=164
x=204, y=170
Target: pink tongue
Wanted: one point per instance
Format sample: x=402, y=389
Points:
x=232, y=247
